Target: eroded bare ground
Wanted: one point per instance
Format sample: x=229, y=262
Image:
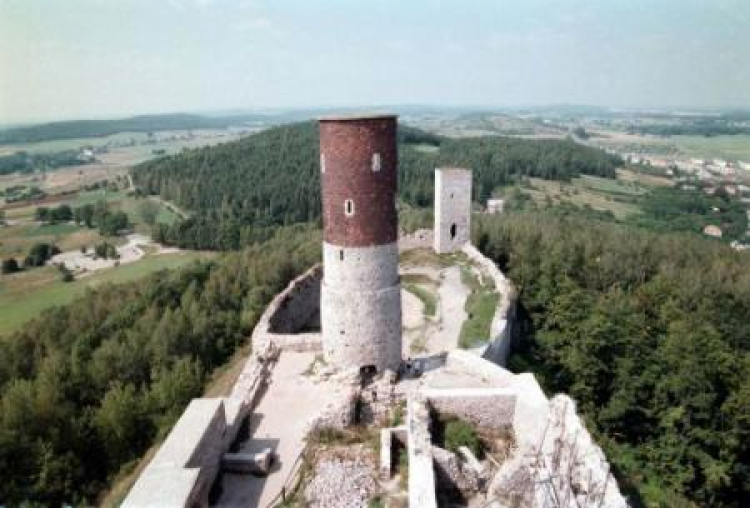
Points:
x=426, y=335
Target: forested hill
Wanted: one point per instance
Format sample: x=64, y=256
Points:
x=649, y=334
x=240, y=189
x=96, y=128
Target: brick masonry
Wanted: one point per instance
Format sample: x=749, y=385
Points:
x=348, y=149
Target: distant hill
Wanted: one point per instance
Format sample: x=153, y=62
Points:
x=239, y=190
x=98, y=128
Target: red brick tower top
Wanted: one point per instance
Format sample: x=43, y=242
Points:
x=358, y=162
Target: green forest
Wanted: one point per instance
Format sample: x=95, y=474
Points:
x=239, y=190
x=649, y=334
x=88, y=387
x=25, y=162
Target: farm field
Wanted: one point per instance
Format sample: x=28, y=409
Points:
x=616, y=196
x=23, y=296
x=736, y=147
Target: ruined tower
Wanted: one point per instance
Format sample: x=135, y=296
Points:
x=452, y=209
x=360, y=292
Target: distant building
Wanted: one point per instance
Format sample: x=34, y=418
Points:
x=744, y=165
x=712, y=230
x=86, y=155
x=495, y=205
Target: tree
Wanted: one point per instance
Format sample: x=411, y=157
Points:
x=41, y=214
x=121, y=423
x=10, y=266
x=39, y=254
x=148, y=210
x=110, y=224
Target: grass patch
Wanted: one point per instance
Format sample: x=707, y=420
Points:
x=480, y=309
x=24, y=295
x=426, y=297
x=51, y=230
x=424, y=257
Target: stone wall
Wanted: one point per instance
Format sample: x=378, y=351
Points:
x=452, y=209
x=484, y=407
x=298, y=308
x=299, y=304
x=504, y=328
x=362, y=328
x=551, y=442
x=361, y=306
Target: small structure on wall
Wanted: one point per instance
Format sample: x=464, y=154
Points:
x=452, y=209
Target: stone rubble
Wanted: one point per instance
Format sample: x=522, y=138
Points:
x=348, y=481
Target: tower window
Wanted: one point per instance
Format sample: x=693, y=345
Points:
x=341, y=255
x=453, y=231
x=322, y=163
x=348, y=207
x=375, y=162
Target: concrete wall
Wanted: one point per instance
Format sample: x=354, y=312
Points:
x=182, y=471
x=452, y=209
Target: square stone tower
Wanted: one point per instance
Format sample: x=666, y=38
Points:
x=452, y=209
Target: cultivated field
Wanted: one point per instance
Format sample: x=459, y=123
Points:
x=601, y=194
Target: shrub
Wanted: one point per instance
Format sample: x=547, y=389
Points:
x=459, y=433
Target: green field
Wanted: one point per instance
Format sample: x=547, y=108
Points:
x=23, y=296
x=731, y=148
x=598, y=193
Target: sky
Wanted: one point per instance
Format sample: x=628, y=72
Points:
x=63, y=59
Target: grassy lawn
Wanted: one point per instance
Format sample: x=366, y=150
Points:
x=51, y=230
x=423, y=257
x=480, y=309
x=15, y=241
x=427, y=297
x=23, y=296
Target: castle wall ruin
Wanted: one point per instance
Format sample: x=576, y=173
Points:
x=452, y=209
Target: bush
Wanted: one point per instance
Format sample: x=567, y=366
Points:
x=10, y=266
x=459, y=433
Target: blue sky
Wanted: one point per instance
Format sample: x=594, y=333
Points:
x=103, y=58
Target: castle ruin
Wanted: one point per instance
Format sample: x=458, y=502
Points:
x=327, y=361
x=452, y=209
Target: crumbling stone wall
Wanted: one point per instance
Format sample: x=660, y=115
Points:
x=287, y=320
x=504, y=329
x=298, y=308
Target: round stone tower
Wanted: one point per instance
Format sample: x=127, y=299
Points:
x=360, y=294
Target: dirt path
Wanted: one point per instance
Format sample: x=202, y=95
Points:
x=431, y=335
x=451, y=311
